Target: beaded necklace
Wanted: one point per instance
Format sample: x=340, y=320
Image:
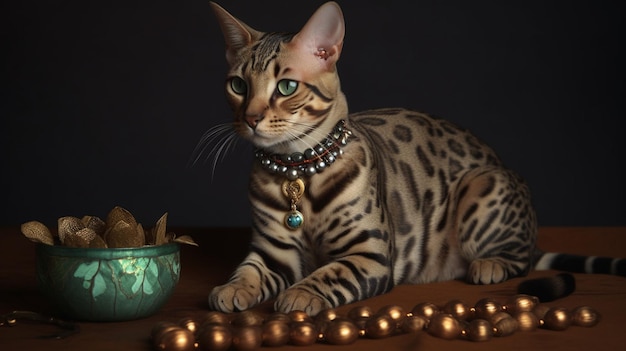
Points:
x=488, y=318
x=295, y=166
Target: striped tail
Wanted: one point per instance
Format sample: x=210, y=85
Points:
x=581, y=264
x=563, y=284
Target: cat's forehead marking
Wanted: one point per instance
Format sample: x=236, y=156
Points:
x=266, y=49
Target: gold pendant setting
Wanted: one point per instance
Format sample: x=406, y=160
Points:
x=293, y=190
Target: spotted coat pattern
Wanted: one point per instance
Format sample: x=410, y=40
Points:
x=413, y=199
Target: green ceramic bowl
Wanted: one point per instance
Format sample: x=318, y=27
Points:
x=106, y=285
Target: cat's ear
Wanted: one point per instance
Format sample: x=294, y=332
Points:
x=236, y=33
x=321, y=37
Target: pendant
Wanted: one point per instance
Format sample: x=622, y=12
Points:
x=294, y=219
x=293, y=190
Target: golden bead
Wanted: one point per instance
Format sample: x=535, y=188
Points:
x=303, y=333
x=585, y=316
x=299, y=316
x=396, y=313
x=444, y=326
x=527, y=320
x=214, y=317
x=499, y=316
x=557, y=318
x=275, y=333
x=457, y=308
x=189, y=324
x=161, y=328
x=215, y=337
x=247, y=338
x=177, y=339
x=413, y=324
x=479, y=330
x=425, y=309
x=360, y=312
x=341, y=332
x=247, y=318
x=326, y=315
x=521, y=303
x=505, y=326
x=278, y=316
x=487, y=308
x=379, y=326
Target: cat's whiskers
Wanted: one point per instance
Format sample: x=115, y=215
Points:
x=214, y=144
x=313, y=136
x=306, y=139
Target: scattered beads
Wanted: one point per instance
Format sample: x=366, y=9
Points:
x=445, y=326
x=248, y=330
x=557, y=318
x=478, y=330
x=585, y=316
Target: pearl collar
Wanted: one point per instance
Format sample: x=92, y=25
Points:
x=312, y=160
x=299, y=164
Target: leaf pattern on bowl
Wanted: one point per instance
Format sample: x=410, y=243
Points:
x=107, y=288
x=140, y=274
x=92, y=278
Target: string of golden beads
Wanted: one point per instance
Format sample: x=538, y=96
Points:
x=487, y=318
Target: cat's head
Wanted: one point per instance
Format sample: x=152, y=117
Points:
x=283, y=88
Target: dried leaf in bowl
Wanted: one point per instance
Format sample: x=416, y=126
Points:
x=119, y=230
x=81, y=238
x=185, y=239
x=123, y=234
x=117, y=214
x=160, y=230
x=37, y=232
x=97, y=243
x=68, y=225
x=95, y=223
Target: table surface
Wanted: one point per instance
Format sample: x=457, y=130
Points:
x=221, y=250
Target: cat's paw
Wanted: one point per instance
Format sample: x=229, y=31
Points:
x=295, y=299
x=487, y=271
x=232, y=297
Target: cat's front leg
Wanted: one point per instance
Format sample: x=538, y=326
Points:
x=331, y=286
x=252, y=283
x=301, y=299
x=363, y=272
x=240, y=293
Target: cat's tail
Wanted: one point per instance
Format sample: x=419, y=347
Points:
x=561, y=285
x=580, y=264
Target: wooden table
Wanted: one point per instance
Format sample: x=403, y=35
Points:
x=221, y=249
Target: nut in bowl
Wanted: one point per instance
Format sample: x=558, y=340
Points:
x=104, y=276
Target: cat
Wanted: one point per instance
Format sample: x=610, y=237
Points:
x=346, y=206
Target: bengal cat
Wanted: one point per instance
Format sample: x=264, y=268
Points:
x=345, y=206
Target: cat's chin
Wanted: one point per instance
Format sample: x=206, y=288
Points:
x=275, y=146
x=274, y=143
x=268, y=143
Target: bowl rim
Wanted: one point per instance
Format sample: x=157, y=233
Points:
x=108, y=253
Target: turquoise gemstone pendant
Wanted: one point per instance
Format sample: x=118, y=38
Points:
x=294, y=219
x=293, y=190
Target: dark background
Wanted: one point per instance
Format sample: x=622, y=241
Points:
x=103, y=102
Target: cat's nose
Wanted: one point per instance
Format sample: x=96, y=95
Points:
x=255, y=113
x=253, y=120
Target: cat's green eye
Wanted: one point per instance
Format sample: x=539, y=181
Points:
x=287, y=87
x=238, y=85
